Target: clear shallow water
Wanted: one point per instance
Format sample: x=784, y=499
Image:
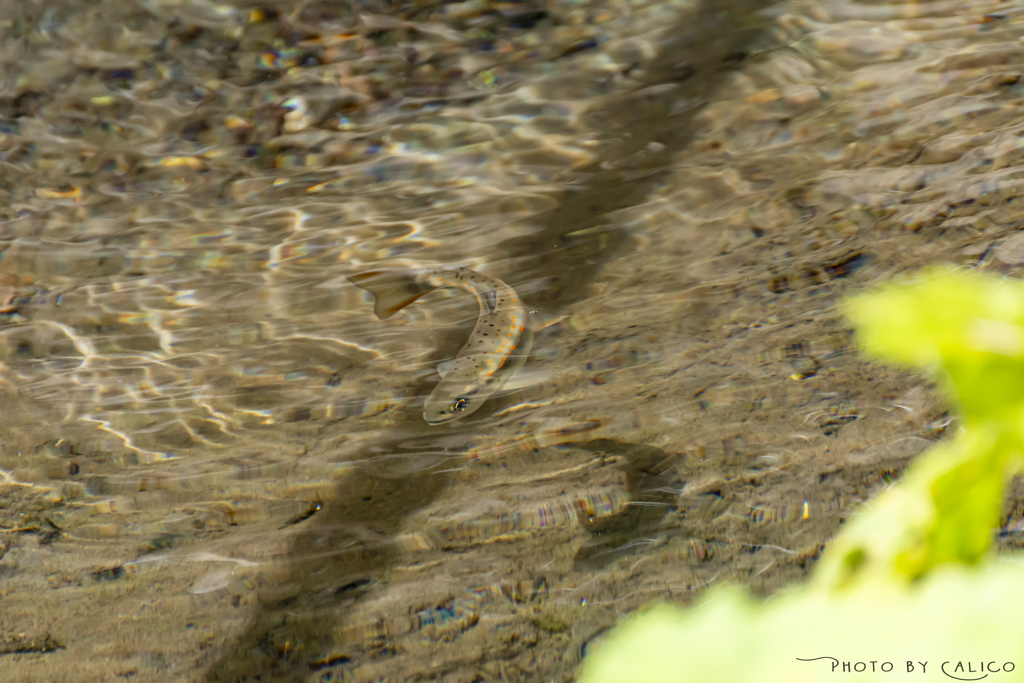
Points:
x=214, y=458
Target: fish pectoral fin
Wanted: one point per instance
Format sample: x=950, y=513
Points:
x=524, y=378
x=490, y=299
x=444, y=367
x=540, y=321
x=392, y=290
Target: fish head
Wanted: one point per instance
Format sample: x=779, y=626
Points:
x=455, y=398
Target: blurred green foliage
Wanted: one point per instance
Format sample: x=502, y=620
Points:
x=911, y=577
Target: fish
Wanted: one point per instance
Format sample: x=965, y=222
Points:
x=497, y=348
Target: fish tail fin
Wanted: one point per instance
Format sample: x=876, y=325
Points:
x=392, y=290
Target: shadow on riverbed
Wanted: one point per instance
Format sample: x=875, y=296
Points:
x=346, y=547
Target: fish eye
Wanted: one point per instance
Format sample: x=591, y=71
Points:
x=459, y=405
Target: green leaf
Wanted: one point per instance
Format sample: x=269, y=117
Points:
x=967, y=326
x=956, y=615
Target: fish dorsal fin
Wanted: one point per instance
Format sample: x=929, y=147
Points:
x=444, y=367
x=392, y=290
